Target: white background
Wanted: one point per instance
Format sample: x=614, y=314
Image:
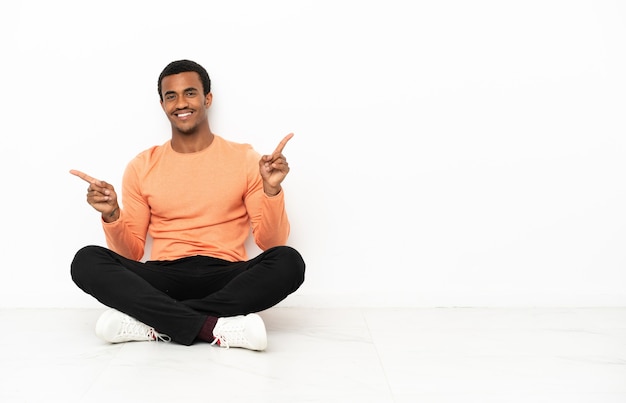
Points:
x=449, y=153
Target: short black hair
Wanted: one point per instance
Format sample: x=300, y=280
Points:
x=182, y=66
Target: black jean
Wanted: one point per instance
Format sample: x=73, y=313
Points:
x=176, y=296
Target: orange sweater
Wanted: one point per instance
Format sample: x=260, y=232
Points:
x=201, y=203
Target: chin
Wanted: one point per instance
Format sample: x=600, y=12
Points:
x=186, y=130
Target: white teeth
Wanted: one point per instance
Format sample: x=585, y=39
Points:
x=182, y=115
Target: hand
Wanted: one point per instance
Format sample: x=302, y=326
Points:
x=274, y=168
x=101, y=196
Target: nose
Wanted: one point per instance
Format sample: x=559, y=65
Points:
x=181, y=102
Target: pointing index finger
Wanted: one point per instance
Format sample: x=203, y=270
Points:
x=282, y=144
x=86, y=177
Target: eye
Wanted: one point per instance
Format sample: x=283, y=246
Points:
x=170, y=97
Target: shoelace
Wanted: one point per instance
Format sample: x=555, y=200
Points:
x=221, y=341
x=156, y=336
x=133, y=328
x=229, y=331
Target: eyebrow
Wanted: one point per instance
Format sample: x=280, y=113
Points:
x=185, y=90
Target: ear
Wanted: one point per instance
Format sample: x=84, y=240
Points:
x=208, y=100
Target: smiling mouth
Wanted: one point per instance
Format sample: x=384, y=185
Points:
x=183, y=115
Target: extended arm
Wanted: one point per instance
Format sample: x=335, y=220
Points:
x=270, y=225
x=123, y=236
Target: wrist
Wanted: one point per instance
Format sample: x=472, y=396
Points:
x=111, y=216
x=271, y=191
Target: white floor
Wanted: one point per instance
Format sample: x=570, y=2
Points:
x=329, y=355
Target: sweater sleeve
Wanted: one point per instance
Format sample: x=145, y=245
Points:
x=127, y=235
x=268, y=217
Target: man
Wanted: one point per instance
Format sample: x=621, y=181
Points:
x=197, y=196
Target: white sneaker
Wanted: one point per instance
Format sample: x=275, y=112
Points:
x=241, y=331
x=116, y=327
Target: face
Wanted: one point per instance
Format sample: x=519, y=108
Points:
x=184, y=103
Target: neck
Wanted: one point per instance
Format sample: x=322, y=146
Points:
x=191, y=142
